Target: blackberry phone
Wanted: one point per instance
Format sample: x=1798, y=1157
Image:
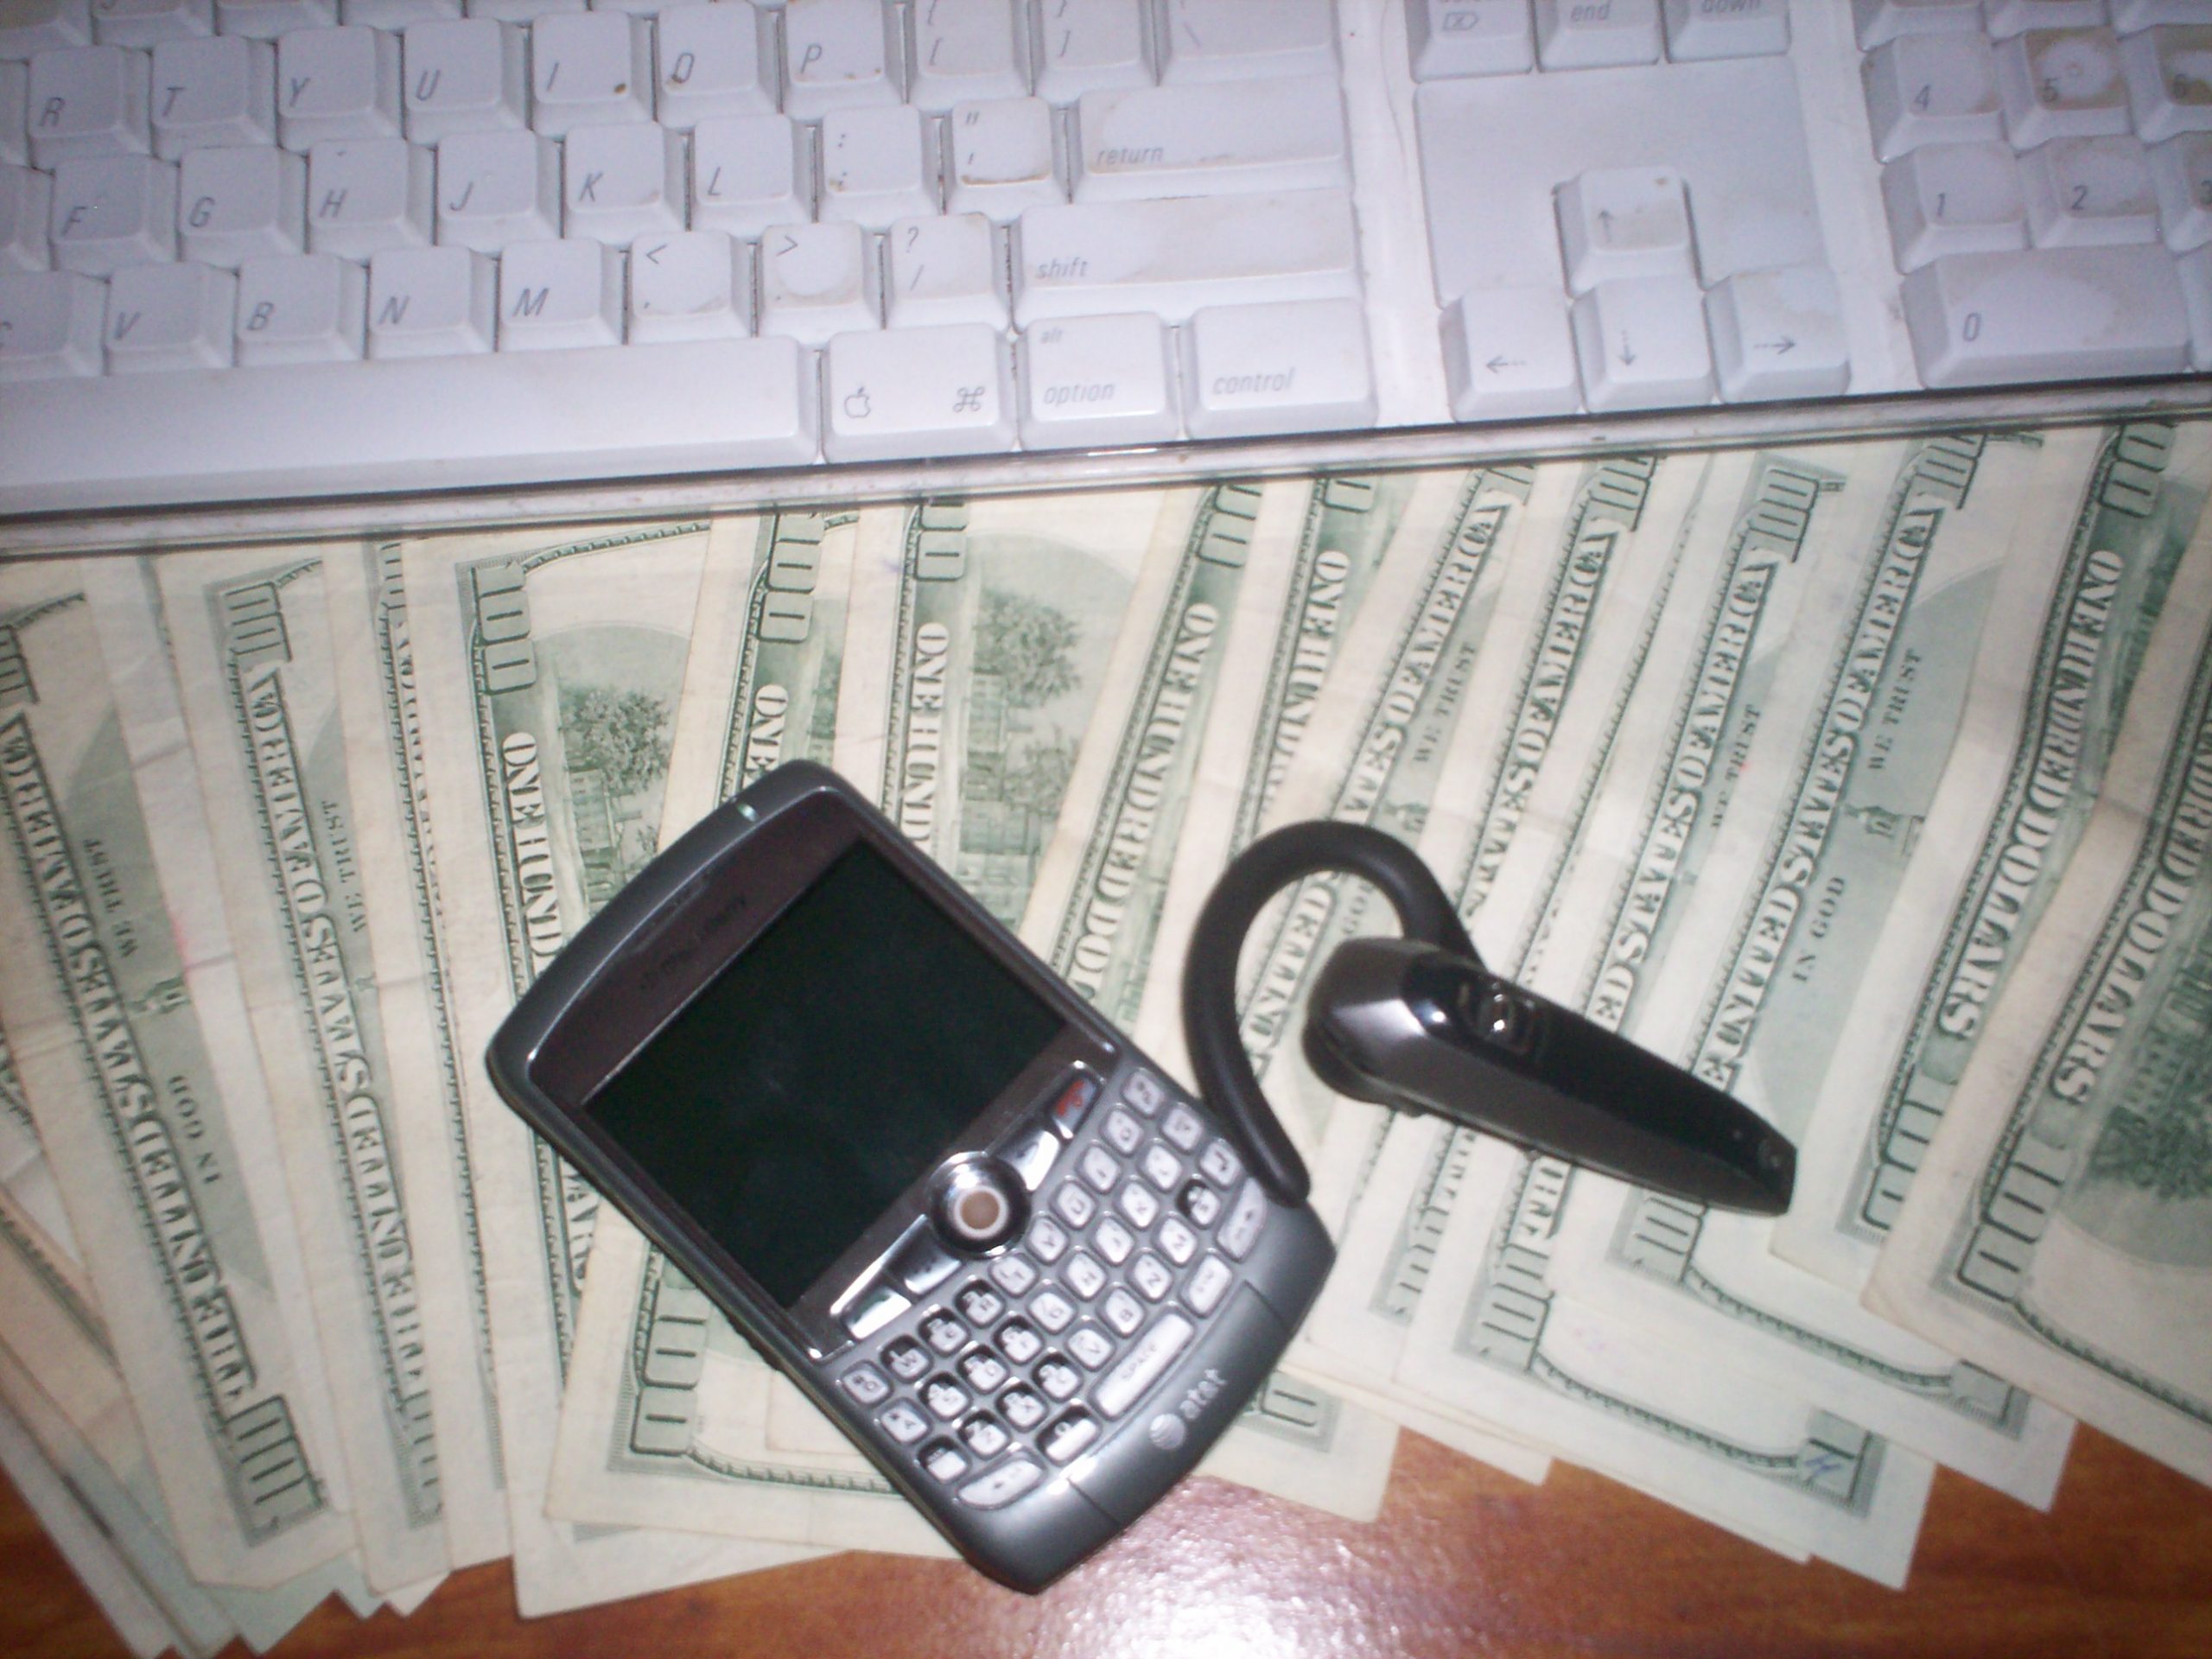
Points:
x=1030, y=1277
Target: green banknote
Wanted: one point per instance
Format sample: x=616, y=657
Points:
x=131, y=1042
x=2010, y=812
x=1959, y=576
x=670, y=1417
x=250, y=635
x=2059, y=1230
x=548, y=673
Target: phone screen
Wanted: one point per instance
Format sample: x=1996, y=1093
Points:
x=841, y=1056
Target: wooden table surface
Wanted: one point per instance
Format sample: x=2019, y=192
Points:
x=1462, y=1561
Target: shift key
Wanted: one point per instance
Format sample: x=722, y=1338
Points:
x=1171, y=258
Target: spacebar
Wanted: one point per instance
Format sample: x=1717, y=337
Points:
x=406, y=424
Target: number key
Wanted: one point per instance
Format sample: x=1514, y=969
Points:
x=984, y=1437
x=867, y=1384
x=980, y=1304
x=944, y=1396
x=983, y=1370
x=1022, y=1408
x=1019, y=1342
x=905, y=1359
x=943, y=1332
x=1058, y=1378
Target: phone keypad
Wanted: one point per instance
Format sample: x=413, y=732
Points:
x=1133, y=1191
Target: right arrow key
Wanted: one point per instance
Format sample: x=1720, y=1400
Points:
x=1779, y=334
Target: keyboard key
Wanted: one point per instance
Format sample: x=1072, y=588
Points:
x=1122, y=1310
x=904, y=1424
x=236, y=205
x=1450, y=38
x=497, y=187
x=1058, y=1378
x=302, y=308
x=432, y=302
x=979, y=1304
x=815, y=281
x=1954, y=198
x=2062, y=83
x=149, y=22
x=2054, y=314
x=2169, y=73
x=1509, y=354
x=691, y=285
x=464, y=75
x=622, y=182
x=916, y=391
x=944, y=1333
x=1208, y=1285
x=2006, y=18
x=1218, y=1163
x=713, y=61
x=1046, y=1239
x=336, y=83
x=1294, y=365
x=985, y=1437
x=2089, y=192
x=558, y=294
x=15, y=105
x=1033, y=1151
x=877, y=166
x=50, y=324
x=983, y=1370
x=1173, y=258
x=1083, y=1275
x=1151, y=1277
x=171, y=316
x=1075, y=1206
x=749, y=172
x=1572, y=34
x=590, y=69
x=1090, y=1346
x=1208, y=140
x=1623, y=222
x=866, y=1385
x=1249, y=1213
x=28, y=27
x=1885, y=20
x=1181, y=1125
x=1113, y=1241
x=113, y=211
x=1176, y=1240
x=945, y=1397
x=1778, y=333
x=266, y=20
x=1932, y=89
x=2180, y=172
x=206, y=93
x=1086, y=45
x=1231, y=40
x=1125, y=1134
x=906, y=1358
x=1138, y=1203
x=1144, y=1091
x=944, y=1460
x=1018, y=1342
x=1022, y=1408
x=26, y=210
x=1732, y=28
x=1002, y=1485
x=1067, y=1437
x=998, y=158
x=1162, y=1167
x=1014, y=1274
x=838, y=53
x=2195, y=269
x=368, y=195
x=1052, y=1310
x=1094, y=381
x=87, y=101
x=1141, y=1367
x=965, y=50
x=1200, y=1203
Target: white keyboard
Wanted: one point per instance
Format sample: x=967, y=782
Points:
x=255, y=250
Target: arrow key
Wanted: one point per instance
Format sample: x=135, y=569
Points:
x=1779, y=334
x=1508, y=355
x=1641, y=344
x=1624, y=221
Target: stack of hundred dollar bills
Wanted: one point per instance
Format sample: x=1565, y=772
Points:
x=1872, y=782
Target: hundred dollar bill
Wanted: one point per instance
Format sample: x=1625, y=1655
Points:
x=1751, y=992
x=976, y=652
x=670, y=1416
x=548, y=674
x=25, y=1175
x=250, y=632
x=1094, y=911
x=131, y=1042
x=2005, y=824
x=2059, y=1231
x=374, y=677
